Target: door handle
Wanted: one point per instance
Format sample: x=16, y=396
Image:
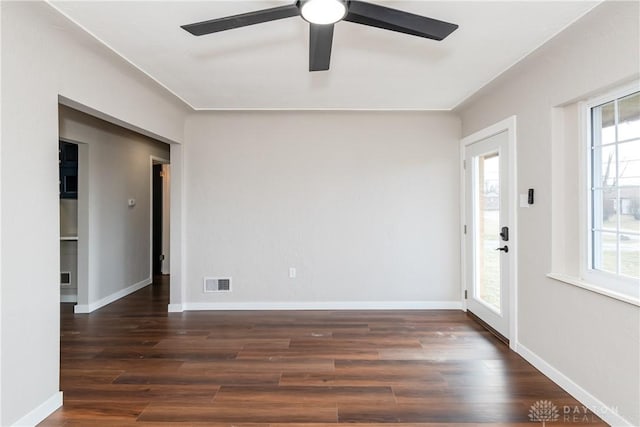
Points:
x=505, y=249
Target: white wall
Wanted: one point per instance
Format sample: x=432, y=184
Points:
x=44, y=56
x=119, y=169
x=363, y=204
x=1, y=137
x=592, y=339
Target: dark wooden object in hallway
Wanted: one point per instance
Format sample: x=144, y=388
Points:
x=133, y=364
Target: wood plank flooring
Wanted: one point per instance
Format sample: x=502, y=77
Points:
x=133, y=364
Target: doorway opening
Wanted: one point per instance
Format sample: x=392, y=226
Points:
x=68, y=159
x=111, y=184
x=160, y=217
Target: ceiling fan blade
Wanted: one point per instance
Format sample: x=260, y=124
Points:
x=320, y=41
x=374, y=15
x=242, y=20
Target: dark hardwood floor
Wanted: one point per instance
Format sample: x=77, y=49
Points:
x=132, y=363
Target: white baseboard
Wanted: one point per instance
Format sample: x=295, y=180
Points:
x=329, y=305
x=88, y=308
x=609, y=415
x=45, y=409
x=68, y=298
x=175, y=308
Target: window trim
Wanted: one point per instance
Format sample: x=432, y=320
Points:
x=576, y=281
x=624, y=288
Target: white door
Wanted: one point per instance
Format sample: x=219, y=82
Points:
x=487, y=230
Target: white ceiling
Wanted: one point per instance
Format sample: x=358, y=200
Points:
x=265, y=66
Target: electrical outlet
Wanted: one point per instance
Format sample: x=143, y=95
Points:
x=292, y=272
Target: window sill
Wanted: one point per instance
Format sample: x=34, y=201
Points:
x=629, y=299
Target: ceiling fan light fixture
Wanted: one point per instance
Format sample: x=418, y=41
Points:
x=323, y=12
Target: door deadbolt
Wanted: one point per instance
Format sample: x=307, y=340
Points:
x=504, y=234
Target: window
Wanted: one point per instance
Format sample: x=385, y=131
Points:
x=614, y=191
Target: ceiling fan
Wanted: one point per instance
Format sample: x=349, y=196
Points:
x=322, y=15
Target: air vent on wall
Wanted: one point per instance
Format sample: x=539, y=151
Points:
x=65, y=278
x=217, y=284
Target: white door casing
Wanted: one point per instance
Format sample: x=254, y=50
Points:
x=488, y=203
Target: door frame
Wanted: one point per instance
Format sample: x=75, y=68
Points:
x=177, y=276
x=155, y=160
x=507, y=125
